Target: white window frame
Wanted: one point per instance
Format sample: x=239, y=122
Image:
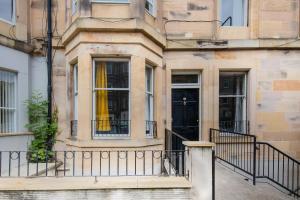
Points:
x=12, y=126
x=151, y=94
x=244, y=96
x=154, y=6
x=246, y=15
x=13, y=20
x=111, y=136
x=111, y=1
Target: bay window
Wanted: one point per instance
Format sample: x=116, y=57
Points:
x=233, y=101
x=7, y=101
x=111, y=98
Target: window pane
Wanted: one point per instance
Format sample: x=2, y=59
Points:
x=112, y=74
x=7, y=101
x=184, y=78
x=149, y=107
x=112, y=112
x=150, y=6
x=75, y=91
x=149, y=79
x=234, y=9
x=231, y=113
x=6, y=9
x=74, y=6
x=232, y=84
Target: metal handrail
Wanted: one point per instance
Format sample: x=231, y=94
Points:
x=230, y=21
x=278, y=167
x=177, y=135
x=257, y=159
x=275, y=148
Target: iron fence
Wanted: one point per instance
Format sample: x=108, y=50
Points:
x=257, y=159
x=278, y=167
x=91, y=163
x=236, y=149
x=151, y=129
x=173, y=142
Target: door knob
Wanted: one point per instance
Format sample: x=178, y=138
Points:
x=184, y=101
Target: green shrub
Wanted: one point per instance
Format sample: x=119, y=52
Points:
x=44, y=130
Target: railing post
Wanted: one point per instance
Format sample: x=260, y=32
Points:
x=254, y=161
x=199, y=166
x=166, y=138
x=213, y=174
x=248, y=127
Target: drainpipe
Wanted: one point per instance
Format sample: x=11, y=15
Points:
x=49, y=61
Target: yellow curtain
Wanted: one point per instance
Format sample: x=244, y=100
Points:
x=102, y=113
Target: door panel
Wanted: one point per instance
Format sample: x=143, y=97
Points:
x=185, y=112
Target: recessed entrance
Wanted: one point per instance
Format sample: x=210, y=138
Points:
x=185, y=105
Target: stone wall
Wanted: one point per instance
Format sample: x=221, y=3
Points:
x=273, y=106
x=124, y=194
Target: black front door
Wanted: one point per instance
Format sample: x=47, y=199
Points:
x=185, y=113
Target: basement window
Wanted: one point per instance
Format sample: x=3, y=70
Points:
x=233, y=101
x=234, y=12
x=151, y=7
x=7, y=10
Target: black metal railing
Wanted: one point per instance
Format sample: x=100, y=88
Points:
x=173, y=141
x=226, y=20
x=278, y=167
x=257, y=159
x=74, y=128
x=110, y=127
x=92, y=163
x=236, y=149
x=151, y=129
x=242, y=126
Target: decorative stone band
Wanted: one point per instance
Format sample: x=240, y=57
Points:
x=198, y=144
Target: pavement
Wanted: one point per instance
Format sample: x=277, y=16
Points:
x=233, y=186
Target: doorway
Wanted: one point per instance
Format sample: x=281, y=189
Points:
x=185, y=105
